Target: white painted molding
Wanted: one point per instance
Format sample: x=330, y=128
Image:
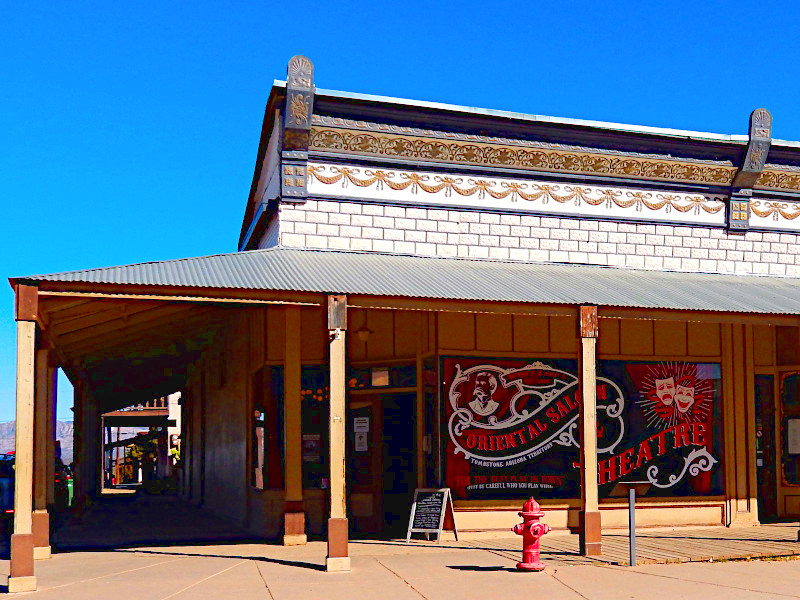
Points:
x=522, y=195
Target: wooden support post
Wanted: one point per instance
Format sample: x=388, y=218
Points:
x=52, y=396
x=338, y=558
x=87, y=458
x=590, y=529
x=77, y=443
x=294, y=518
x=22, y=578
x=40, y=518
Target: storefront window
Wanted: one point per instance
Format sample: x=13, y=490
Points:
x=790, y=427
x=511, y=427
x=267, y=444
x=315, y=393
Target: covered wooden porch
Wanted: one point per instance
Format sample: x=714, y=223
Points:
x=129, y=334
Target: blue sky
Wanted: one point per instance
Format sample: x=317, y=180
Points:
x=128, y=131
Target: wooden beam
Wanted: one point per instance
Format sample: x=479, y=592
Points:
x=182, y=294
x=123, y=311
x=120, y=321
x=160, y=328
x=467, y=306
x=656, y=314
x=57, y=305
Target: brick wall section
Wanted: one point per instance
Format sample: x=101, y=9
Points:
x=464, y=233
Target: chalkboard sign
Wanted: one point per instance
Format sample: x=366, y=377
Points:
x=428, y=512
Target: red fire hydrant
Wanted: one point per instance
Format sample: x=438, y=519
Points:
x=531, y=531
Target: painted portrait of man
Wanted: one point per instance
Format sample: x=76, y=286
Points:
x=482, y=403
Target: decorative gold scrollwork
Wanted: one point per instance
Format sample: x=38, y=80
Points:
x=529, y=191
x=384, y=144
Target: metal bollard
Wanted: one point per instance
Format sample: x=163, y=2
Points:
x=632, y=525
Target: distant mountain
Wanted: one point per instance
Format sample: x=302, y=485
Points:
x=64, y=433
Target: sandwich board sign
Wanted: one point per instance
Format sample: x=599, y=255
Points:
x=428, y=512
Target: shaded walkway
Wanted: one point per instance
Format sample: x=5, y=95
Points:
x=121, y=521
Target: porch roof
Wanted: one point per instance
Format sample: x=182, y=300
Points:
x=372, y=273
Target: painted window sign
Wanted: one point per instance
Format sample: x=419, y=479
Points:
x=512, y=427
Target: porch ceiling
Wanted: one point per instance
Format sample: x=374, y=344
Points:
x=130, y=350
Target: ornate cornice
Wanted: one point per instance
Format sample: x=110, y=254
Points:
x=341, y=123
x=334, y=134
x=779, y=179
x=518, y=157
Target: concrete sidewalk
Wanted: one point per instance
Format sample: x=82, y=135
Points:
x=387, y=571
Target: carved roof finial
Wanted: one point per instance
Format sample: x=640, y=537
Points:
x=761, y=123
x=300, y=72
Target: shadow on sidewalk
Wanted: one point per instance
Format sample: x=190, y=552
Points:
x=277, y=561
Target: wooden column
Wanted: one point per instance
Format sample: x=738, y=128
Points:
x=87, y=458
x=52, y=397
x=294, y=518
x=40, y=517
x=338, y=558
x=21, y=578
x=590, y=536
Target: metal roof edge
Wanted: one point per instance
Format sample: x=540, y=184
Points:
x=42, y=276
x=463, y=259
x=487, y=112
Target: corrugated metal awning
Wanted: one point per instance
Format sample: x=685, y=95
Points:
x=372, y=273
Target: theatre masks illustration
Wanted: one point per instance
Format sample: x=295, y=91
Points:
x=672, y=392
x=665, y=390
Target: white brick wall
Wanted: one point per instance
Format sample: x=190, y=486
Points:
x=437, y=232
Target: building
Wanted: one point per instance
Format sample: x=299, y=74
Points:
x=431, y=295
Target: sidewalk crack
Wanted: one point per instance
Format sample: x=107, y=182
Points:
x=264, y=579
x=404, y=580
x=566, y=585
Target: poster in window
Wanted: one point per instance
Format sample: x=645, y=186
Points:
x=511, y=427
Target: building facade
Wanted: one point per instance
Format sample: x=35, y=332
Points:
x=429, y=295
